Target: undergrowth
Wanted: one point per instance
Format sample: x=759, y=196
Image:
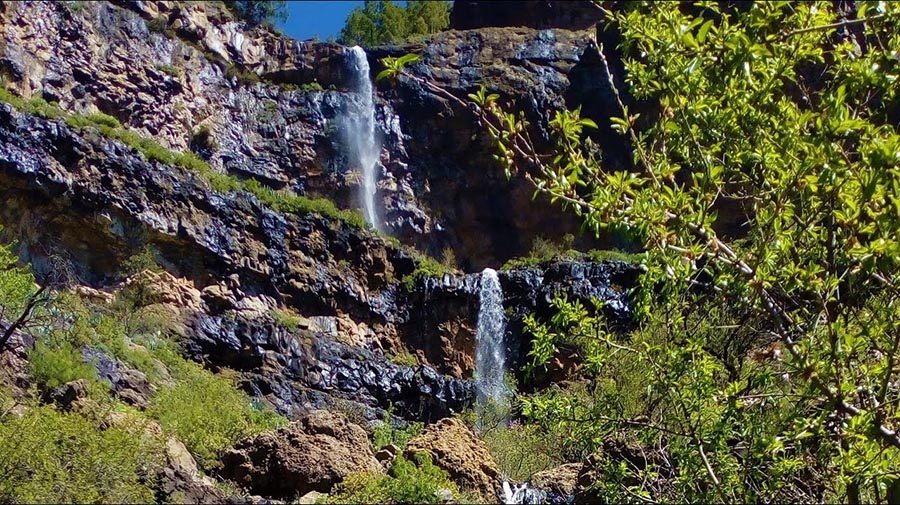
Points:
x=407, y=482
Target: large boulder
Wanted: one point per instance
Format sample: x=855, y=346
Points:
x=557, y=484
x=454, y=448
x=312, y=454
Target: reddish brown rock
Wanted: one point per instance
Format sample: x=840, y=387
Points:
x=312, y=454
x=454, y=448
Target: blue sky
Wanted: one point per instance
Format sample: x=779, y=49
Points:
x=324, y=19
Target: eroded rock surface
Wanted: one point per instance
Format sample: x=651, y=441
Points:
x=311, y=454
x=454, y=448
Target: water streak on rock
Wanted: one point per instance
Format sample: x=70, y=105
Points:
x=362, y=136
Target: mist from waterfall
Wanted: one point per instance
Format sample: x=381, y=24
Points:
x=362, y=135
x=490, y=352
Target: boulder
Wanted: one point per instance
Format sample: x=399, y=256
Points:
x=454, y=448
x=68, y=395
x=312, y=454
x=557, y=484
x=180, y=482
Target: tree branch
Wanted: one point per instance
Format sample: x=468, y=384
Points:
x=33, y=301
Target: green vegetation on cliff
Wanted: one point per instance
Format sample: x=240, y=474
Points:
x=93, y=447
x=383, y=22
x=110, y=127
x=48, y=456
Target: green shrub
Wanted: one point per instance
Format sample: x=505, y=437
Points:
x=448, y=259
x=52, y=457
x=403, y=358
x=56, y=363
x=170, y=70
x=245, y=77
x=296, y=204
x=601, y=255
x=520, y=450
x=16, y=283
x=385, y=433
x=543, y=250
x=37, y=106
x=101, y=119
x=426, y=267
x=311, y=87
x=207, y=412
x=286, y=319
x=406, y=482
x=145, y=259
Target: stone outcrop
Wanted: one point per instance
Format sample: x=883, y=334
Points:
x=311, y=454
x=557, y=484
x=454, y=448
x=128, y=384
x=297, y=370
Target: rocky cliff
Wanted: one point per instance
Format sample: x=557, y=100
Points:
x=268, y=115
x=184, y=74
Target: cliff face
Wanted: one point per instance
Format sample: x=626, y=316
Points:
x=182, y=74
x=253, y=105
x=81, y=197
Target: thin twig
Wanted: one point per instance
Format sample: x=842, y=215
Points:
x=839, y=24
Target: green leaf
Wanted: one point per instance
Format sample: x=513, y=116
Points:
x=704, y=30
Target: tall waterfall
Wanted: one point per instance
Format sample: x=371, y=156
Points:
x=362, y=136
x=490, y=353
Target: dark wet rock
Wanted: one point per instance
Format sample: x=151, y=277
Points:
x=298, y=370
x=130, y=385
x=66, y=396
x=441, y=314
x=485, y=217
x=312, y=454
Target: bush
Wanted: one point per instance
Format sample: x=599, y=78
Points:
x=521, y=450
x=406, y=482
x=426, y=267
x=52, y=457
x=170, y=70
x=286, y=319
x=311, y=87
x=56, y=363
x=207, y=412
x=543, y=250
x=16, y=283
x=385, y=433
x=403, y=358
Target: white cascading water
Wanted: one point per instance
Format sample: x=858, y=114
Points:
x=362, y=135
x=490, y=353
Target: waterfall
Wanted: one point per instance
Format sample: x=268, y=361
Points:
x=362, y=135
x=490, y=353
